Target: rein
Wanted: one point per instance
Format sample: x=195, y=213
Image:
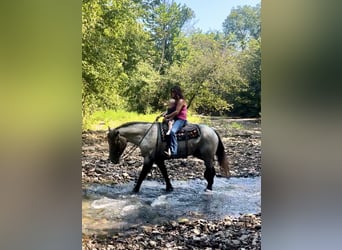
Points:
x=134, y=147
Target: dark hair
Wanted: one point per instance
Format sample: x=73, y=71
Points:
x=177, y=90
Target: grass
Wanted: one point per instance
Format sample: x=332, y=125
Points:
x=236, y=125
x=101, y=120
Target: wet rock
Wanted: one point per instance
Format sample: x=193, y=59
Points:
x=99, y=171
x=236, y=242
x=243, y=237
x=183, y=221
x=125, y=175
x=147, y=229
x=219, y=234
x=184, y=236
x=174, y=223
x=152, y=243
x=243, y=149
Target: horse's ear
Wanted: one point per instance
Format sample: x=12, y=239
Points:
x=108, y=129
x=117, y=133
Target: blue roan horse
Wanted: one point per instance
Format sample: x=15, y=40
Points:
x=148, y=138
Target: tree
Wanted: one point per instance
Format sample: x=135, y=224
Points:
x=164, y=22
x=209, y=75
x=242, y=30
x=133, y=52
x=141, y=90
x=248, y=101
x=242, y=24
x=113, y=43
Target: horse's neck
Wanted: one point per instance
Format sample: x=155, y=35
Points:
x=134, y=133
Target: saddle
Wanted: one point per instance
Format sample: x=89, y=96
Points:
x=189, y=131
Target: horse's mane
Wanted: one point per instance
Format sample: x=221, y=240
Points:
x=127, y=124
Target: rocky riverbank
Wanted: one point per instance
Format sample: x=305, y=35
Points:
x=242, y=141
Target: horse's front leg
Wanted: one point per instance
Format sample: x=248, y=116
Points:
x=209, y=173
x=162, y=167
x=146, y=168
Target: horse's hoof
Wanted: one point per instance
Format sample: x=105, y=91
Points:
x=169, y=189
x=135, y=190
x=208, y=191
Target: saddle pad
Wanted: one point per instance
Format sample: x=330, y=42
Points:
x=189, y=131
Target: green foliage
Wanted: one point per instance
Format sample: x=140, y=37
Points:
x=133, y=52
x=140, y=92
x=210, y=75
x=165, y=22
x=248, y=102
x=242, y=24
x=101, y=120
x=236, y=125
x=113, y=42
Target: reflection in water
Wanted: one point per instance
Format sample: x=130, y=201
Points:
x=114, y=208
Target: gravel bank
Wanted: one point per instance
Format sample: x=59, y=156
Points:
x=242, y=141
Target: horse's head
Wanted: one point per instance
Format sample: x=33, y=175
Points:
x=117, y=145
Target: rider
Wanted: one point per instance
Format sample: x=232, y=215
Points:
x=180, y=117
x=171, y=108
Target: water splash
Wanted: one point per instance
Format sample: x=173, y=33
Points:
x=115, y=207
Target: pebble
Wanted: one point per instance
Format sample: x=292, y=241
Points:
x=95, y=155
x=244, y=232
x=183, y=220
x=236, y=242
x=147, y=229
x=152, y=243
x=196, y=238
x=174, y=223
x=185, y=236
x=243, y=237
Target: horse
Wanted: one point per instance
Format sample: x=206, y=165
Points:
x=147, y=137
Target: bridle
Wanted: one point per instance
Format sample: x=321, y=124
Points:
x=134, y=147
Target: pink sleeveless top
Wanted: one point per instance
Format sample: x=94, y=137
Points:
x=182, y=115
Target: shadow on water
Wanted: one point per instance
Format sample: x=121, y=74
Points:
x=107, y=209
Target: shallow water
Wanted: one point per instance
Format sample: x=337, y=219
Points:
x=115, y=208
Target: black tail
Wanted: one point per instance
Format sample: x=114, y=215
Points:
x=222, y=157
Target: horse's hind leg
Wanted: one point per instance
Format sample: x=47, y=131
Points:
x=146, y=168
x=163, y=170
x=209, y=173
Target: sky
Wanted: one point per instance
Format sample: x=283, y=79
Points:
x=210, y=14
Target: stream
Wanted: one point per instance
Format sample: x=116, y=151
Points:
x=108, y=209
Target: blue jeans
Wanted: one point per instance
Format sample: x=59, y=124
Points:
x=178, y=124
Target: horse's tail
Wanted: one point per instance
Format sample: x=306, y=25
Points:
x=222, y=157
